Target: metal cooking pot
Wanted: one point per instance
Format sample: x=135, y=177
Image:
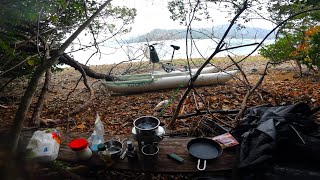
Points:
x=160, y=132
x=204, y=149
x=146, y=125
x=115, y=148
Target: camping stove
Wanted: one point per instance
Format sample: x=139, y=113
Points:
x=147, y=130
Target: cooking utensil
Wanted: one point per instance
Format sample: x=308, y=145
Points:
x=146, y=125
x=146, y=130
x=150, y=154
x=115, y=148
x=123, y=155
x=204, y=149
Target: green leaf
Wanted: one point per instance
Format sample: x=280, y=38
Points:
x=54, y=19
x=31, y=62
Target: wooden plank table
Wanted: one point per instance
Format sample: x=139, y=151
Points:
x=178, y=146
x=223, y=165
x=163, y=164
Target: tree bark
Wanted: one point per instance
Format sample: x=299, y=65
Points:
x=32, y=86
x=44, y=91
x=78, y=66
x=25, y=104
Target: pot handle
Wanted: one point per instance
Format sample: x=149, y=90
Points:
x=204, y=165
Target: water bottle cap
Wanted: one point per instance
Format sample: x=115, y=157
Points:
x=101, y=147
x=129, y=143
x=130, y=146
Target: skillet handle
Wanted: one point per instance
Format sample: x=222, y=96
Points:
x=204, y=165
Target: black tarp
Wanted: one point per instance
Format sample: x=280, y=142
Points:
x=277, y=136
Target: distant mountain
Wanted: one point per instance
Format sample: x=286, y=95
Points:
x=202, y=33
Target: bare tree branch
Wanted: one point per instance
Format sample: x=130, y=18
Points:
x=241, y=71
x=249, y=93
x=13, y=67
x=36, y=115
x=66, y=59
x=203, y=112
x=236, y=47
x=91, y=92
x=5, y=84
x=66, y=44
x=277, y=26
x=194, y=78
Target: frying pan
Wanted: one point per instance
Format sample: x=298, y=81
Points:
x=204, y=149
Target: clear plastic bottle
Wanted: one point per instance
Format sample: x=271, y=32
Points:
x=104, y=154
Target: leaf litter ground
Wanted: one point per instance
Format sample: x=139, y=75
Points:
x=119, y=111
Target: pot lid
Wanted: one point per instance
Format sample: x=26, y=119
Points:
x=78, y=144
x=160, y=131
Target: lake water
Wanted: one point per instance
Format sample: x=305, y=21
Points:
x=113, y=53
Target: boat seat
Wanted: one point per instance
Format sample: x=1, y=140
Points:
x=175, y=47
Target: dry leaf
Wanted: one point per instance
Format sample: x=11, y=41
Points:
x=201, y=106
x=213, y=99
x=81, y=126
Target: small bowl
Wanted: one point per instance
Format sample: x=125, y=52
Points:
x=115, y=148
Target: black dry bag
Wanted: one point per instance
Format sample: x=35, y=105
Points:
x=153, y=54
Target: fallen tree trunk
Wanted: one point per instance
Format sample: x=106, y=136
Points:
x=66, y=59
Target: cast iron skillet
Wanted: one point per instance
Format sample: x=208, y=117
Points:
x=204, y=149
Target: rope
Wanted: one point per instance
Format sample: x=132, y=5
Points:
x=171, y=98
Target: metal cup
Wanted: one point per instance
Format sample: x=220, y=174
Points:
x=149, y=153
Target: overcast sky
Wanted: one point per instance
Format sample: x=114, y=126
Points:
x=154, y=14
x=151, y=14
